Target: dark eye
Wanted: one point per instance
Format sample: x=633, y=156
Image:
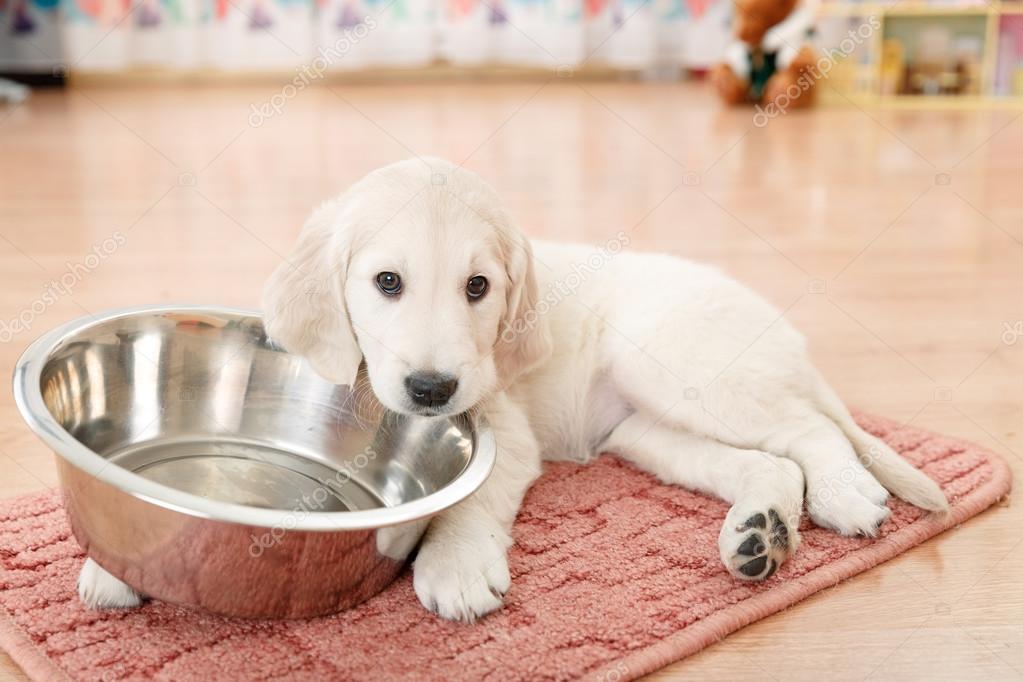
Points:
x=389, y=283
x=476, y=287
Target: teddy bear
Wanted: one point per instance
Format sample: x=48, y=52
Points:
x=768, y=62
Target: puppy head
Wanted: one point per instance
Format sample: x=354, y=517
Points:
x=419, y=271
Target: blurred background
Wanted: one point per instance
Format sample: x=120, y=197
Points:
x=971, y=48
x=168, y=151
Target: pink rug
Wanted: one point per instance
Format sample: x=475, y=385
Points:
x=614, y=574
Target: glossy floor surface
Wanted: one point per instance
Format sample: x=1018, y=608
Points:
x=893, y=239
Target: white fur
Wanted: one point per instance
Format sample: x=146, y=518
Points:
x=574, y=351
x=99, y=590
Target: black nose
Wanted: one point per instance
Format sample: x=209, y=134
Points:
x=430, y=389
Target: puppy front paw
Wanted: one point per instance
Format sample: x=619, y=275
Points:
x=462, y=578
x=99, y=590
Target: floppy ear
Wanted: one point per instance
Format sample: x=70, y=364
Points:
x=303, y=302
x=525, y=339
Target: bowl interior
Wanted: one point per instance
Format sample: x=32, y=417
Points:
x=204, y=403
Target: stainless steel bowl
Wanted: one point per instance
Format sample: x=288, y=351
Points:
x=203, y=466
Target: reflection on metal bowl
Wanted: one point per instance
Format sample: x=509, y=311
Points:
x=204, y=466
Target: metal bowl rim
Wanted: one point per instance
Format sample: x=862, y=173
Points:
x=29, y=399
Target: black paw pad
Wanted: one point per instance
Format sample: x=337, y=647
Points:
x=779, y=531
x=758, y=520
x=763, y=545
x=755, y=567
x=752, y=546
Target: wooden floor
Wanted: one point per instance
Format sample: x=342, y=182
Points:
x=894, y=240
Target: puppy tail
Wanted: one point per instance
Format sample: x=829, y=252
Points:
x=892, y=471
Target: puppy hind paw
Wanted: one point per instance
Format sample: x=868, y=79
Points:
x=754, y=548
x=849, y=513
x=848, y=500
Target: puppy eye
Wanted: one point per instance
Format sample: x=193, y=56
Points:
x=389, y=283
x=476, y=287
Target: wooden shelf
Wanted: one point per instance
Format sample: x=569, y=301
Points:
x=990, y=12
x=835, y=8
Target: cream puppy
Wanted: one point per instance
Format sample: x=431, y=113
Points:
x=419, y=272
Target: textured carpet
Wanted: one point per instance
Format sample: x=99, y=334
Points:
x=614, y=575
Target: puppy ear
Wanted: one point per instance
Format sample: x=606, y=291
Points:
x=525, y=339
x=303, y=302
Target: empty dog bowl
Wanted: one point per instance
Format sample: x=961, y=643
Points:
x=204, y=466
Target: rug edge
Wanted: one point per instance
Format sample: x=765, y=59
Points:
x=26, y=655
x=723, y=623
